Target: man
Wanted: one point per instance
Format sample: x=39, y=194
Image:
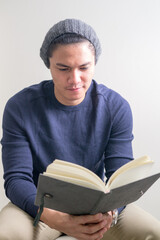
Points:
x=72, y=118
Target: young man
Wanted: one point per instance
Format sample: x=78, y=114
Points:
x=72, y=118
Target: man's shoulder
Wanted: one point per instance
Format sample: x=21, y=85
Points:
x=111, y=102
x=107, y=94
x=31, y=93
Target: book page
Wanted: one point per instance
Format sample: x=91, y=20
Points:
x=130, y=175
x=136, y=162
x=74, y=171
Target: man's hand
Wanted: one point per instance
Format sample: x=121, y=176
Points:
x=85, y=227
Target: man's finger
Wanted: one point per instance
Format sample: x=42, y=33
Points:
x=86, y=219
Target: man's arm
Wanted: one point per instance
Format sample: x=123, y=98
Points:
x=17, y=160
x=119, y=148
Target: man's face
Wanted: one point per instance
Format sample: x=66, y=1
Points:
x=72, y=68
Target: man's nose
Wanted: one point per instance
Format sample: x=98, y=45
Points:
x=74, y=77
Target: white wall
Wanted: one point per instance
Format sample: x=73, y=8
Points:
x=130, y=64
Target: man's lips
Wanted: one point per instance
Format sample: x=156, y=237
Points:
x=74, y=88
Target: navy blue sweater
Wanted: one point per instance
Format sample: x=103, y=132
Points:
x=37, y=129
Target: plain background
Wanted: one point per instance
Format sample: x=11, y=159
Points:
x=129, y=32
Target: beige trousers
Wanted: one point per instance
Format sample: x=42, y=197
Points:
x=133, y=224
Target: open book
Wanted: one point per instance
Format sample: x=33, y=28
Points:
x=73, y=189
x=76, y=174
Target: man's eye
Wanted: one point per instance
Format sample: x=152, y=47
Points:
x=63, y=69
x=84, y=68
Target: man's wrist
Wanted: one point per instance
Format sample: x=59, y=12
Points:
x=114, y=217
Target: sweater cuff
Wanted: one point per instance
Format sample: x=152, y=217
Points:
x=120, y=210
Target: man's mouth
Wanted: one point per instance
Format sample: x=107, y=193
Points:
x=74, y=88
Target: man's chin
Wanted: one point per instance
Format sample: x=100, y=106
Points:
x=75, y=100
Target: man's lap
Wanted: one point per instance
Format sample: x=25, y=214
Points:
x=15, y=224
x=133, y=224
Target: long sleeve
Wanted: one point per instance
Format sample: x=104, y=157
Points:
x=17, y=160
x=119, y=147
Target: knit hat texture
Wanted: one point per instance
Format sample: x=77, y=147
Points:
x=69, y=26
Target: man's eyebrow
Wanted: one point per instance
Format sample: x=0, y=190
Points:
x=85, y=64
x=63, y=65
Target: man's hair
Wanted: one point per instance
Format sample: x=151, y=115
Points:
x=68, y=38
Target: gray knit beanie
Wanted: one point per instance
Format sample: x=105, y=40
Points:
x=69, y=26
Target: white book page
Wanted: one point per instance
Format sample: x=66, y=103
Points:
x=131, y=175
